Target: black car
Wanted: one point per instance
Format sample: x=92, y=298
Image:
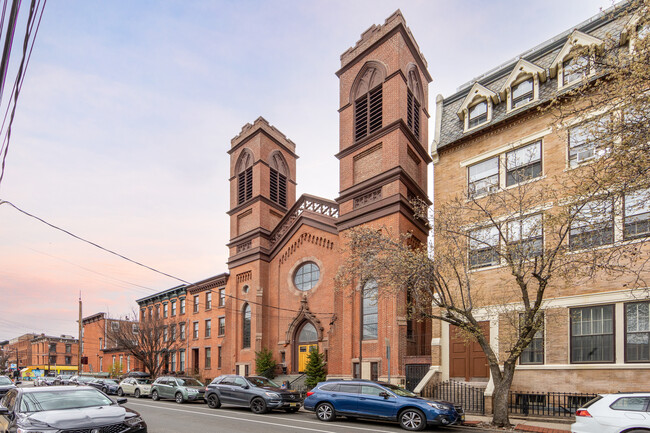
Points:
x=108, y=386
x=65, y=408
x=5, y=385
x=256, y=392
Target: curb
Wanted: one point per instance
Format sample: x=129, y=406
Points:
x=533, y=428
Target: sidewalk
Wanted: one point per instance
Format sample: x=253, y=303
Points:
x=526, y=424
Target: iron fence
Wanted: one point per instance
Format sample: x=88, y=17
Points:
x=472, y=399
x=559, y=404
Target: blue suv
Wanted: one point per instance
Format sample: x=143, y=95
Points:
x=378, y=400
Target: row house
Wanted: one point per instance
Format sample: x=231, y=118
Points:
x=55, y=354
x=100, y=355
x=19, y=350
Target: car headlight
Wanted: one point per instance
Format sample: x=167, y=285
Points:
x=273, y=394
x=35, y=430
x=438, y=406
x=133, y=421
x=192, y=390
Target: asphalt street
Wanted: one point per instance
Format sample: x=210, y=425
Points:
x=170, y=417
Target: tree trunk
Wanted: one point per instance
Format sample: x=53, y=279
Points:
x=500, y=396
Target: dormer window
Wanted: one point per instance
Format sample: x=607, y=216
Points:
x=522, y=93
x=574, y=69
x=478, y=114
x=574, y=62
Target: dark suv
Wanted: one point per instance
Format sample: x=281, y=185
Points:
x=256, y=392
x=378, y=400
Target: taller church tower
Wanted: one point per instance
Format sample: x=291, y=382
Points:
x=383, y=166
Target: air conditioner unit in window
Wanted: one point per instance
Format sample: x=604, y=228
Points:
x=492, y=188
x=585, y=155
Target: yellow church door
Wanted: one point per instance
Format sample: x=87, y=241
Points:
x=303, y=354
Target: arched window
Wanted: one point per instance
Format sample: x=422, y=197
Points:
x=278, y=181
x=246, y=327
x=244, y=171
x=368, y=101
x=369, y=311
x=413, y=98
x=308, y=333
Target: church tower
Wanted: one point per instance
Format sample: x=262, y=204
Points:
x=262, y=189
x=383, y=159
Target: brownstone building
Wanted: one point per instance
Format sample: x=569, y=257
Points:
x=595, y=335
x=285, y=250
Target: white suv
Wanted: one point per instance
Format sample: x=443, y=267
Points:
x=614, y=413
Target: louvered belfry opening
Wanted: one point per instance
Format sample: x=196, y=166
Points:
x=368, y=113
x=278, y=188
x=245, y=185
x=413, y=114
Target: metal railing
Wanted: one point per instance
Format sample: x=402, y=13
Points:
x=470, y=398
x=559, y=404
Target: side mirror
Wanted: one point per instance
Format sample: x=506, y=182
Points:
x=4, y=410
x=121, y=400
x=384, y=394
x=245, y=386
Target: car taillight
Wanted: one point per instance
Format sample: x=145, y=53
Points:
x=309, y=393
x=583, y=412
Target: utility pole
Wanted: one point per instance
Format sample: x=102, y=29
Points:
x=80, y=345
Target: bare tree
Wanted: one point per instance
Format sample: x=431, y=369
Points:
x=540, y=236
x=4, y=359
x=149, y=341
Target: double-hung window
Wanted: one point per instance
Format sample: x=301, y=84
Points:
x=522, y=93
x=222, y=326
x=637, y=332
x=592, y=334
x=592, y=226
x=525, y=237
x=165, y=310
x=478, y=114
x=636, y=214
x=484, y=247
x=524, y=163
x=195, y=330
x=208, y=327
x=183, y=306
x=575, y=69
x=534, y=352
x=208, y=300
x=173, y=308
x=484, y=177
x=196, y=303
x=582, y=146
x=181, y=330
x=222, y=297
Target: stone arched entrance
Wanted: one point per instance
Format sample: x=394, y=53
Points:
x=306, y=340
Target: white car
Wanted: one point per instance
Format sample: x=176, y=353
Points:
x=614, y=413
x=135, y=387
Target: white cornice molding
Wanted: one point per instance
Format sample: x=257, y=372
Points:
x=575, y=39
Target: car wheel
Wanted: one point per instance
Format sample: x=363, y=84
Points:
x=213, y=401
x=325, y=412
x=154, y=395
x=413, y=420
x=136, y=393
x=120, y=392
x=179, y=398
x=292, y=409
x=105, y=390
x=258, y=405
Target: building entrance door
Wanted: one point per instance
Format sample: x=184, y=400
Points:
x=306, y=342
x=466, y=358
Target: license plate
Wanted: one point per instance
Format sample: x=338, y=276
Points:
x=462, y=418
x=293, y=404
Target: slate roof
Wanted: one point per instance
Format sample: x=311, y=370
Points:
x=602, y=26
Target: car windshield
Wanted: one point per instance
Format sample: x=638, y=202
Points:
x=262, y=382
x=144, y=381
x=5, y=381
x=189, y=382
x=62, y=400
x=399, y=391
x=110, y=382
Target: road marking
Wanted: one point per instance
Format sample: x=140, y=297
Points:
x=262, y=422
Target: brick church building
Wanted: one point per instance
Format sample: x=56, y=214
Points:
x=285, y=250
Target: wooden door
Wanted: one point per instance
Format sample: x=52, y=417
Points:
x=303, y=355
x=467, y=359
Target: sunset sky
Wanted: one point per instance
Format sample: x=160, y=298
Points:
x=128, y=109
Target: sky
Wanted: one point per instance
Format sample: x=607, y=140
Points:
x=127, y=112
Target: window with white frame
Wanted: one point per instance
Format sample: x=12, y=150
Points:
x=222, y=297
x=525, y=237
x=636, y=214
x=484, y=247
x=222, y=326
x=173, y=332
x=208, y=300
x=574, y=69
x=586, y=140
x=165, y=310
x=181, y=330
x=592, y=226
x=196, y=303
x=637, y=332
x=172, y=357
x=115, y=326
x=173, y=308
x=522, y=93
x=534, y=352
x=183, y=306
x=524, y=163
x=483, y=177
x=195, y=330
x=208, y=327
x=165, y=334
x=208, y=357
x=478, y=114
x=181, y=360
x=592, y=334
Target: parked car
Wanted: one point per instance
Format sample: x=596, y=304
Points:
x=65, y=408
x=44, y=381
x=134, y=387
x=62, y=379
x=256, y=392
x=81, y=380
x=181, y=389
x=378, y=400
x=614, y=413
x=108, y=386
x=5, y=385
